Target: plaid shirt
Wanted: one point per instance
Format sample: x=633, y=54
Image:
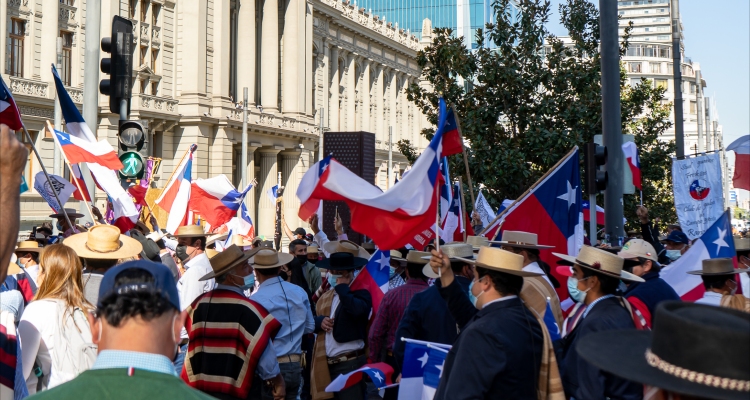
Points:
x=389, y=315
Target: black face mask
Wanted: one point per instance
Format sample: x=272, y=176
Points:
x=312, y=260
x=283, y=276
x=181, y=252
x=302, y=259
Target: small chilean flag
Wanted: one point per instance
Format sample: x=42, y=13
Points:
x=78, y=150
x=216, y=199
x=452, y=142
x=380, y=373
x=9, y=114
x=741, y=148
x=634, y=162
x=374, y=278
x=174, y=199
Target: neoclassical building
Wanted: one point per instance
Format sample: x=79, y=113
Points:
x=298, y=59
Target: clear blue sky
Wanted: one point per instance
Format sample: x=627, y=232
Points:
x=717, y=35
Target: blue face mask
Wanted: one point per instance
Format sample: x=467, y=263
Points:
x=393, y=272
x=249, y=281
x=673, y=254
x=471, y=296
x=575, y=294
x=332, y=279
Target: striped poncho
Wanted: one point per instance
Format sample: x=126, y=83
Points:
x=227, y=335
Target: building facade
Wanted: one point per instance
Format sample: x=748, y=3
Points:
x=298, y=59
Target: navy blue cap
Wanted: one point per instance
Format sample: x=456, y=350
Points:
x=163, y=281
x=677, y=237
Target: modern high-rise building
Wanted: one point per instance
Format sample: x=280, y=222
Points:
x=463, y=16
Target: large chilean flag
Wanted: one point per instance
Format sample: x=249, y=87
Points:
x=216, y=199
x=391, y=218
x=80, y=150
x=176, y=195
x=9, y=114
x=634, y=162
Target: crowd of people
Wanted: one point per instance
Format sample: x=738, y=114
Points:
x=95, y=313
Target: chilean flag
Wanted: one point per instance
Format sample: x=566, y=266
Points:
x=446, y=191
x=634, y=162
x=553, y=209
x=452, y=223
x=391, y=218
x=125, y=212
x=374, y=278
x=80, y=182
x=176, y=195
x=716, y=242
x=9, y=114
x=216, y=199
x=80, y=150
x=741, y=148
x=599, y=213
x=380, y=373
x=452, y=142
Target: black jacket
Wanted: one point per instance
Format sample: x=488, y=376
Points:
x=583, y=380
x=651, y=235
x=352, y=315
x=498, y=353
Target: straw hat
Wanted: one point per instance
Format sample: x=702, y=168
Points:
x=269, y=258
x=346, y=246
x=189, y=231
x=210, y=253
x=312, y=249
x=454, y=251
x=635, y=248
x=417, y=257
x=28, y=246
x=215, y=238
x=601, y=261
x=103, y=242
x=72, y=214
x=477, y=241
x=241, y=241
x=223, y=262
x=499, y=260
x=718, y=266
x=523, y=240
x=741, y=244
x=395, y=255
x=155, y=236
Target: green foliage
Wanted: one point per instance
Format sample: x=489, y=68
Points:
x=408, y=150
x=528, y=99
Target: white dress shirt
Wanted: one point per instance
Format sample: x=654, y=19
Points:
x=334, y=348
x=189, y=287
x=710, y=298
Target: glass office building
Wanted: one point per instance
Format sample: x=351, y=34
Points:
x=463, y=16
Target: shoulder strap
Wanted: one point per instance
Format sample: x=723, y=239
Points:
x=640, y=321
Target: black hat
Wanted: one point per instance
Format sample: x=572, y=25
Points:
x=150, y=249
x=694, y=349
x=300, y=231
x=341, y=262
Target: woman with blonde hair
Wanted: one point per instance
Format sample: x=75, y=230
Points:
x=55, y=336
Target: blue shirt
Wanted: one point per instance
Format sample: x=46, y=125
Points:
x=289, y=304
x=593, y=303
x=108, y=359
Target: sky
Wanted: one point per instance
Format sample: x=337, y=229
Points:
x=717, y=35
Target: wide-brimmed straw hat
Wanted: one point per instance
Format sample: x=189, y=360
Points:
x=211, y=253
x=718, y=266
x=312, y=249
x=269, y=258
x=454, y=251
x=72, y=214
x=342, y=261
x=215, y=238
x=601, y=261
x=741, y=244
x=397, y=256
x=346, y=246
x=28, y=246
x=499, y=260
x=190, y=231
x=103, y=242
x=223, y=262
x=477, y=241
x=693, y=349
x=519, y=239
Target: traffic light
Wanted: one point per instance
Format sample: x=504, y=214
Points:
x=595, y=156
x=133, y=148
x=120, y=64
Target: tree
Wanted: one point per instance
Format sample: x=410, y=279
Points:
x=526, y=98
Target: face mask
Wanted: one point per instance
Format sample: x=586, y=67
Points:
x=734, y=290
x=283, y=275
x=59, y=227
x=474, y=299
x=181, y=252
x=393, y=272
x=302, y=259
x=575, y=294
x=20, y=264
x=582, y=293
x=312, y=260
x=332, y=279
x=673, y=254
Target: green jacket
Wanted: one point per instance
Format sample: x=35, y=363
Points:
x=113, y=384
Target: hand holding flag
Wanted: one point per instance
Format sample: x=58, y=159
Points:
x=380, y=374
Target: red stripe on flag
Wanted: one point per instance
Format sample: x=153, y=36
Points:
x=77, y=154
x=209, y=207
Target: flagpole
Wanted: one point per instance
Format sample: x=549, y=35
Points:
x=62, y=208
x=546, y=174
x=178, y=164
x=437, y=226
x=641, y=197
x=466, y=159
x=72, y=174
x=463, y=206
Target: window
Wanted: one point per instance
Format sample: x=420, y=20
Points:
x=144, y=53
x=67, y=49
x=144, y=86
x=144, y=10
x=655, y=68
x=155, y=14
x=670, y=68
x=660, y=83
x=233, y=30
x=155, y=88
x=68, y=2
x=15, y=47
x=692, y=107
x=154, y=59
x=634, y=67
x=133, y=5
x=692, y=88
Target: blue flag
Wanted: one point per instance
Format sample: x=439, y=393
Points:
x=433, y=371
x=549, y=321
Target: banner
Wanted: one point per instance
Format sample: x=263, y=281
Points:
x=698, y=193
x=63, y=188
x=484, y=209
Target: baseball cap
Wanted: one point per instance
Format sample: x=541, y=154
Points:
x=677, y=237
x=635, y=248
x=163, y=281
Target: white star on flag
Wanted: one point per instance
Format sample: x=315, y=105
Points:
x=384, y=262
x=377, y=375
x=569, y=196
x=423, y=359
x=325, y=167
x=720, y=242
x=440, y=367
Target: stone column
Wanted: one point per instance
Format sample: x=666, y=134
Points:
x=307, y=13
x=246, y=51
x=406, y=132
x=4, y=34
x=290, y=176
x=269, y=88
x=267, y=179
x=293, y=77
x=333, y=104
x=365, y=90
x=380, y=130
x=351, y=95
x=193, y=76
x=325, y=78
x=220, y=154
x=391, y=96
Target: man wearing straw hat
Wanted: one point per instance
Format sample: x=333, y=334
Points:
x=721, y=288
x=101, y=248
x=27, y=257
x=598, y=274
x=230, y=335
x=538, y=290
x=499, y=353
x=289, y=304
x=62, y=223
